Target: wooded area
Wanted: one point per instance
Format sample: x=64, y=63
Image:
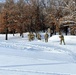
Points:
x=37, y=15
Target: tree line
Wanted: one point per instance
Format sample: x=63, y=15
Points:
x=34, y=15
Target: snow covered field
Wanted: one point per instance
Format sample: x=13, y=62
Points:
x=18, y=56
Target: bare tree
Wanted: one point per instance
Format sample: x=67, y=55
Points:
x=20, y=15
x=8, y=17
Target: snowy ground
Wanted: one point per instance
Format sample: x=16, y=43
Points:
x=18, y=56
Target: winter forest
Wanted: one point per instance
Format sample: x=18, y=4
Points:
x=19, y=16
x=37, y=37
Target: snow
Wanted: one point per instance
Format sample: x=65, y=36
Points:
x=18, y=56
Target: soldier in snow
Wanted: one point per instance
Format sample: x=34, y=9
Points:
x=38, y=36
x=62, y=39
x=32, y=36
x=29, y=36
x=50, y=32
x=46, y=37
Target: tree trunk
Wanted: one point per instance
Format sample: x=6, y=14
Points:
x=21, y=32
x=13, y=32
x=6, y=38
x=66, y=30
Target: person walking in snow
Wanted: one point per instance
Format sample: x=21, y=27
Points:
x=29, y=36
x=50, y=31
x=46, y=37
x=38, y=36
x=62, y=39
x=32, y=36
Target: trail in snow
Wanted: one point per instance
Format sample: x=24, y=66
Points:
x=30, y=72
x=22, y=45
x=40, y=64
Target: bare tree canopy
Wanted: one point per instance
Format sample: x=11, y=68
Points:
x=35, y=15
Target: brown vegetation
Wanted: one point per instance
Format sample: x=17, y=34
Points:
x=35, y=15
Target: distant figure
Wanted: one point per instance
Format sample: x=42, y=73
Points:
x=32, y=36
x=50, y=32
x=46, y=37
x=29, y=36
x=38, y=36
x=62, y=39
